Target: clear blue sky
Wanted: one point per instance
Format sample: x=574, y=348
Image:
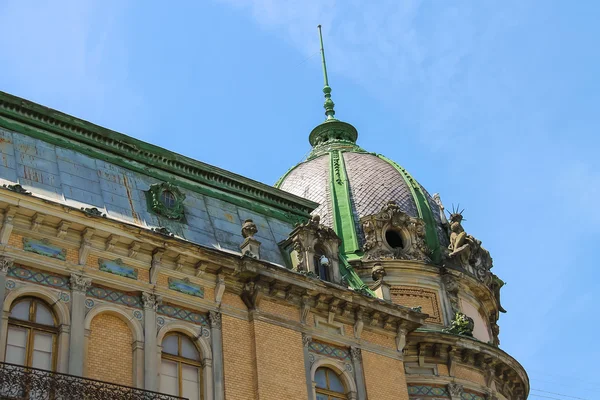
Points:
x=494, y=104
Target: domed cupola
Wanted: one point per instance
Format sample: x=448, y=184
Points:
x=354, y=186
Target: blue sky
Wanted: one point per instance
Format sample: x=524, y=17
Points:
x=492, y=104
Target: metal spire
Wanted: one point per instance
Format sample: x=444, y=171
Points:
x=328, y=105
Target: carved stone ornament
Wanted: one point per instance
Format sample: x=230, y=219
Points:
x=455, y=389
x=17, y=189
x=80, y=283
x=5, y=264
x=306, y=339
x=215, y=319
x=378, y=273
x=249, y=229
x=495, y=331
x=391, y=218
x=151, y=301
x=167, y=200
x=355, y=354
x=461, y=325
x=451, y=285
x=93, y=212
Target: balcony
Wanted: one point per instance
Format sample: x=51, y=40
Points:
x=21, y=383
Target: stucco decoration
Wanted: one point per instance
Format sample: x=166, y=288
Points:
x=391, y=222
x=167, y=200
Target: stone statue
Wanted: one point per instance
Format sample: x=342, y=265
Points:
x=438, y=201
x=460, y=244
x=378, y=273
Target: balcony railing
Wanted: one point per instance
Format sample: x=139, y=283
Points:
x=21, y=383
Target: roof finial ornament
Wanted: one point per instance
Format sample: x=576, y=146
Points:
x=329, y=104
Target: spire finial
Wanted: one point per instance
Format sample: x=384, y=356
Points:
x=329, y=111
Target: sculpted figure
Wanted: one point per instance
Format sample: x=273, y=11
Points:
x=460, y=242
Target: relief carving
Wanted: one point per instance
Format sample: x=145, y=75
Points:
x=410, y=232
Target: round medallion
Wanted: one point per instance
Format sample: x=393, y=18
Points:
x=137, y=314
x=205, y=332
x=348, y=367
x=64, y=296
x=10, y=284
x=160, y=321
x=89, y=303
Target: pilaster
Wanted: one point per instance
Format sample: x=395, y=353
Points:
x=151, y=303
x=217, y=351
x=359, y=375
x=5, y=264
x=79, y=286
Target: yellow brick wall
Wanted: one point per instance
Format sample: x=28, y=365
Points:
x=384, y=377
x=238, y=359
x=73, y=256
x=15, y=240
x=413, y=296
x=469, y=374
x=378, y=338
x=233, y=300
x=280, y=362
x=281, y=310
x=110, y=355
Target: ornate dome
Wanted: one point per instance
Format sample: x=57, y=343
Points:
x=350, y=183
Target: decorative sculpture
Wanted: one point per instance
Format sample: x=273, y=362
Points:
x=410, y=230
x=461, y=325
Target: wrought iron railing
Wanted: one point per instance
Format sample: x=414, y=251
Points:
x=24, y=383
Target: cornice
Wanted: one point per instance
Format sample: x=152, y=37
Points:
x=47, y=124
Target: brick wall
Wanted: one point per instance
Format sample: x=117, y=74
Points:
x=238, y=359
x=413, y=296
x=384, y=377
x=469, y=374
x=280, y=362
x=110, y=355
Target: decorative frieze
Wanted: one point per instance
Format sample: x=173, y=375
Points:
x=39, y=277
x=115, y=296
x=183, y=314
x=330, y=350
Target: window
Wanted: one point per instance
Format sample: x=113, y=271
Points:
x=32, y=335
x=322, y=264
x=180, y=367
x=329, y=386
x=167, y=198
x=394, y=239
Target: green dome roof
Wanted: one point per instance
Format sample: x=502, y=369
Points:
x=350, y=183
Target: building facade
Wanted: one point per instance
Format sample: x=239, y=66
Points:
x=128, y=271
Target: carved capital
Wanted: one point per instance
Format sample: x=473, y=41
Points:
x=79, y=283
x=5, y=264
x=455, y=390
x=251, y=295
x=151, y=301
x=355, y=354
x=215, y=319
x=306, y=339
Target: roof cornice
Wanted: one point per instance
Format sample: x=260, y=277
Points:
x=86, y=134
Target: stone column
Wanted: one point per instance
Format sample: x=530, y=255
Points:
x=5, y=264
x=356, y=355
x=79, y=286
x=307, y=365
x=151, y=303
x=217, y=350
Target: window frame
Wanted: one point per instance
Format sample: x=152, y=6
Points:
x=31, y=327
x=180, y=360
x=327, y=392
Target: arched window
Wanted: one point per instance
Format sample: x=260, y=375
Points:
x=32, y=334
x=329, y=386
x=180, y=367
x=322, y=264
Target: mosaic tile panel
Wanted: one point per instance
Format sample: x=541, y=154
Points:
x=182, y=314
x=115, y=296
x=330, y=350
x=431, y=392
x=186, y=287
x=471, y=396
x=44, y=248
x=39, y=277
x=118, y=268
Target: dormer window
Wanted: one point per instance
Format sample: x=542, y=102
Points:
x=168, y=198
x=322, y=264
